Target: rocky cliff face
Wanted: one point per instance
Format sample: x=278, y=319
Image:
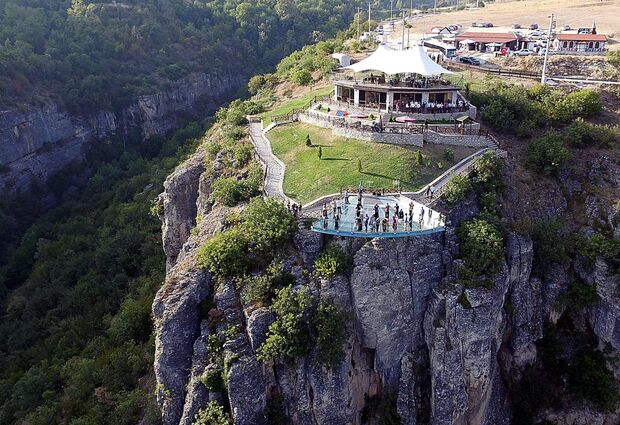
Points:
x=38, y=142
x=420, y=343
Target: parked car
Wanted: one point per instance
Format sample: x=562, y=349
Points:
x=469, y=60
x=516, y=26
x=534, y=26
x=566, y=28
x=537, y=34
x=523, y=52
x=486, y=25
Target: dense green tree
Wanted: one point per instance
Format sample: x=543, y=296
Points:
x=548, y=154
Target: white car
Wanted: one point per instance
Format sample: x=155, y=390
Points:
x=537, y=34
x=523, y=52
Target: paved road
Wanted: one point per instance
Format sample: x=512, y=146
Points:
x=274, y=177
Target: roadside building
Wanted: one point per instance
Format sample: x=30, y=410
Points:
x=486, y=41
x=580, y=43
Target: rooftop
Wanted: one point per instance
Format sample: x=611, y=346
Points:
x=390, y=61
x=487, y=37
x=582, y=37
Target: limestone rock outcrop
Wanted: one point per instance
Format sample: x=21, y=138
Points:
x=37, y=142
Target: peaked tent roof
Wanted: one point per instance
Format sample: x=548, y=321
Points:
x=389, y=61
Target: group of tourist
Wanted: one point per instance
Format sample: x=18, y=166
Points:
x=381, y=219
x=294, y=209
x=430, y=107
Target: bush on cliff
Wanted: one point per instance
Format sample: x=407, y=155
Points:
x=225, y=254
x=332, y=261
x=330, y=323
x=582, y=134
x=287, y=337
x=548, y=154
x=230, y=190
x=213, y=414
x=457, y=188
x=268, y=225
x=482, y=250
x=590, y=379
x=265, y=225
x=261, y=288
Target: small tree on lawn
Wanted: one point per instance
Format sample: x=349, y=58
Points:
x=320, y=152
x=308, y=141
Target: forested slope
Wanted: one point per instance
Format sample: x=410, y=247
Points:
x=99, y=55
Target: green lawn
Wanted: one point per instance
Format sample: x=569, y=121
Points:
x=286, y=107
x=307, y=177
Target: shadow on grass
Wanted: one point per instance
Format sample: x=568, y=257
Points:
x=321, y=146
x=335, y=159
x=367, y=173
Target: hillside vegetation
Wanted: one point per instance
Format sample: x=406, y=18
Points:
x=99, y=55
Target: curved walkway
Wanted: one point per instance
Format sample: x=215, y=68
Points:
x=274, y=168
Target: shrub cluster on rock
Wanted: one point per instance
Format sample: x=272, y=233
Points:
x=481, y=247
x=265, y=225
x=332, y=261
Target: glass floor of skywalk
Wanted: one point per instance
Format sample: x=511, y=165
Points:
x=350, y=224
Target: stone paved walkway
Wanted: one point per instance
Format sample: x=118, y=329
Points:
x=274, y=177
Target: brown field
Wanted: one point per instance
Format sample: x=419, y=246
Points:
x=575, y=13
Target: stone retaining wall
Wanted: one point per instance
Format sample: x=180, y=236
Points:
x=408, y=139
x=474, y=141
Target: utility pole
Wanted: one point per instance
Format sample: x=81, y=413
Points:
x=402, y=43
x=391, y=14
x=543, y=78
x=408, y=30
x=359, y=15
x=411, y=9
x=435, y=7
x=369, y=17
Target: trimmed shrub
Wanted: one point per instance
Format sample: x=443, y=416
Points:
x=448, y=155
x=547, y=154
x=332, y=261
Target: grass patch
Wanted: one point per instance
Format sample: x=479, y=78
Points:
x=298, y=102
x=308, y=177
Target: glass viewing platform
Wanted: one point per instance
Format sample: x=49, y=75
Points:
x=377, y=217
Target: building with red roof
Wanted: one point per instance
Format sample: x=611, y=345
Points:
x=483, y=41
x=580, y=43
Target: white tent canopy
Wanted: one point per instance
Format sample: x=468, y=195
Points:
x=389, y=61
